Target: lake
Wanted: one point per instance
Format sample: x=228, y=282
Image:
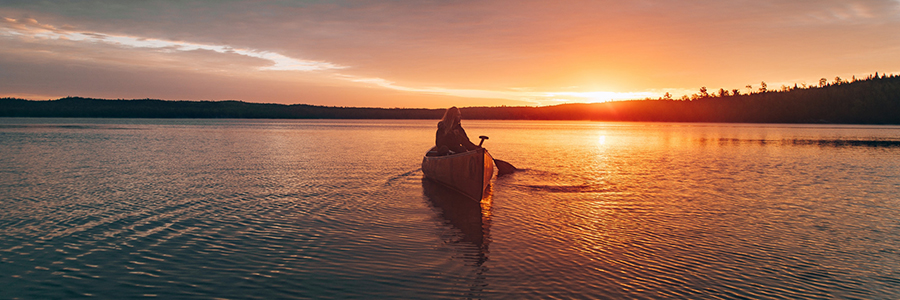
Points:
x=283, y=209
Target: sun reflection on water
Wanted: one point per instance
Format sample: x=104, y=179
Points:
x=600, y=210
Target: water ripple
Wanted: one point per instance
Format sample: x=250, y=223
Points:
x=271, y=209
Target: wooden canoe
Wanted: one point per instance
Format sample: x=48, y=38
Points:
x=468, y=173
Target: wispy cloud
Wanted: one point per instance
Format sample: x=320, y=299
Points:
x=518, y=94
x=845, y=12
x=33, y=29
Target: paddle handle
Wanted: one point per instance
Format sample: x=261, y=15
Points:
x=483, y=137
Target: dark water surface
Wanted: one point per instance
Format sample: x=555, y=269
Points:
x=266, y=209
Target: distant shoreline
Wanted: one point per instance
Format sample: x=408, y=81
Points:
x=870, y=101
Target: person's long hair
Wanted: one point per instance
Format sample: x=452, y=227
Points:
x=450, y=116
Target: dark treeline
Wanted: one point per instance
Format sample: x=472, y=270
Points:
x=874, y=100
x=77, y=107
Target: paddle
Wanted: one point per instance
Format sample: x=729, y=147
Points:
x=503, y=167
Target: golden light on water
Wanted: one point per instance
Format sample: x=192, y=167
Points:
x=486, y=204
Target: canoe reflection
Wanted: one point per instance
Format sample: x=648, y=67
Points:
x=470, y=217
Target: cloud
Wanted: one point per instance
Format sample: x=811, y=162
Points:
x=831, y=13
x=517, y=94
x=27, y=24
x=32, y=29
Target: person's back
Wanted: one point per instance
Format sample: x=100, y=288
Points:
x=450, y=136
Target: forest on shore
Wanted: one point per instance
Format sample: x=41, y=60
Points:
x=873, y=100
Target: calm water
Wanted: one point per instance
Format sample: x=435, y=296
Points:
x=265, y=209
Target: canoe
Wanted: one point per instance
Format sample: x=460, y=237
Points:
x=468, y=173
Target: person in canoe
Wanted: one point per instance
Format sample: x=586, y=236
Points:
x=450, y=136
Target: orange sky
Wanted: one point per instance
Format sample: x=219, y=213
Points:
x=435, y=53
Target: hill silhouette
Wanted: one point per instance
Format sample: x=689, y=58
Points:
x=874, y=100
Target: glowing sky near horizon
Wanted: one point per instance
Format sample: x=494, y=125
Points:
x=435, y=53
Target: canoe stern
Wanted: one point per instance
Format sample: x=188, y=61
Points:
x=469, y=173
